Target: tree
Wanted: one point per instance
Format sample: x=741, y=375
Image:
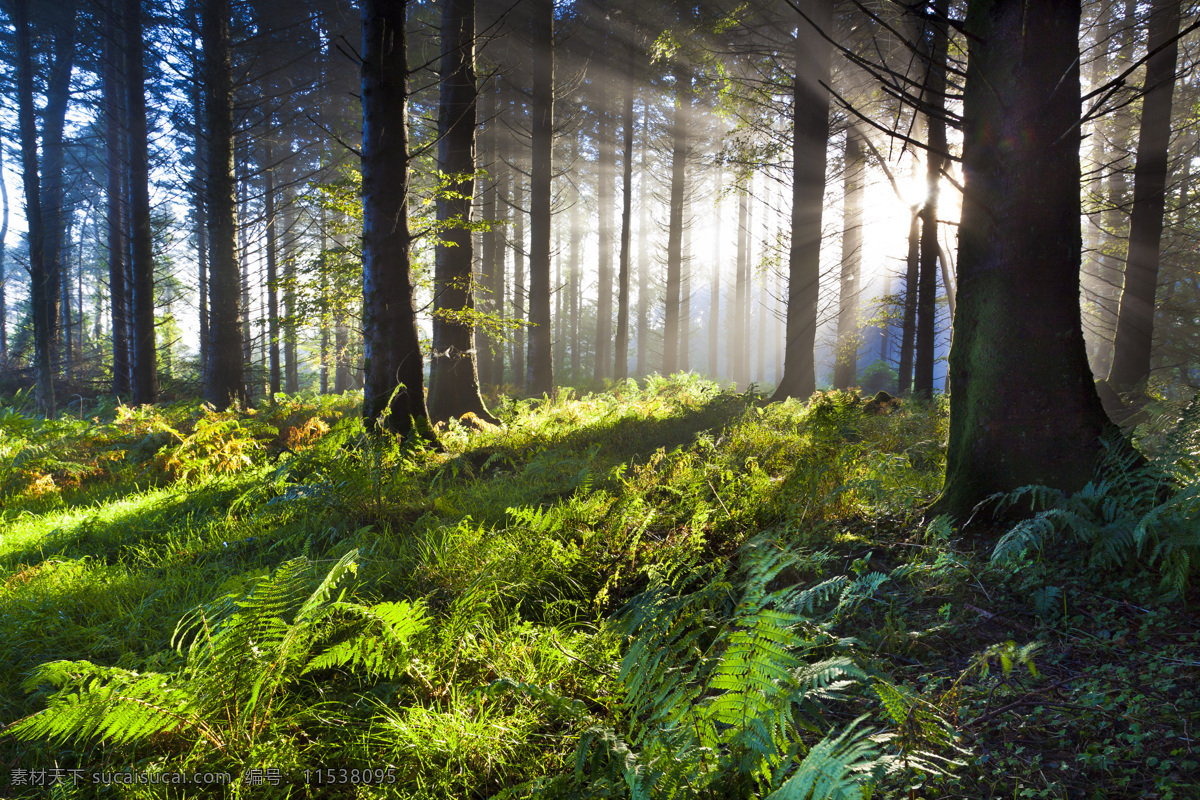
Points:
x=226, y=381
x=540, y=379
x=3, y=276
x=453, y=381
x=1135, y=320
x=1023, y=406
x=393, y=389
x=810, y=132
x=846, y=365
x=145, y=365
x=621, y=371
x=682, y=76
x=114, y=114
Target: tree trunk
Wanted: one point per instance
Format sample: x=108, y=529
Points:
x=685, y=291
x=289, y=323
x=518, y=288
x=58, y=95
x=845, y=370
x=643, y=304
x=3, y=275
x=737, y=339
x=935, y=94
x=541, y=358
x=490, y=162
x=453, y=382
x=226, y=380
x=605, y=168
x=679, y=131
x=43, y=341
x=145, y=350
x=574, y=268
x=268, y=168
x=1023, y=405
x=714, y=293
x=393, y=388
x=621, y=364
x=908, y=325
x=199, y=178
x=114, y=115
x=810, y=133
x=1135, y=320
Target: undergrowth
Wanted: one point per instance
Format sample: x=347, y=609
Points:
x=665, y=590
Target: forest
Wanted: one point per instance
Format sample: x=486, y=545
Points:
x=416, y=399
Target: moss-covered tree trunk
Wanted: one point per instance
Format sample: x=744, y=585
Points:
x=1135, y=320
x=453, y=381
x=1023, y=406
x=393, y=374
x=810, y=132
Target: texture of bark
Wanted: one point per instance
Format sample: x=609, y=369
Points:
x=679, y=143
x=1023, y=405
x=393, y=374
x=845, y=369
x=453, y=381
x=810, y=132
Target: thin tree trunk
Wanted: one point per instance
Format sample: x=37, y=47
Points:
x=810, y=133
x=1135, y=321
x=226, y=381
x=685, y=291
x=199, y=178
x=453, y=381
x=621, y=364
x=39, y=289
x=518, y=287
x=643, y=307
x=935, y=92
x=574, y=268
x=714, y=294
x=290, y=323
x=58, y=95
x=908, y=330
x=114, y=116
x=504, y=213
x=541, y=359
x=3, y=275
x=605, y=167
x=845, y=369
x=145, y=350
x=737, y=339
x=489, y=160
x=268, y=168
x=679, y=132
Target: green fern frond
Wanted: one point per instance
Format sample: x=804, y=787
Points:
x=836, y=768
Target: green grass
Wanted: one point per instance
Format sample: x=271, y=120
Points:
x=527, y=545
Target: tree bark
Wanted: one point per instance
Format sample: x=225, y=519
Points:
x=643, y=303
x=714, y=293
x=1135, y=320
x=605, y=167
x=574, y=268
x=43, y=341
x=3, y=275
x=519, y=295
x=226, y=380
x=489, y=161
x=845, y=370
x=145, y=350
x=58, y=95
x=453, y=381
x=114, y=116
x=621, y=364
x=541, y=358
x=679, y=131
x=935, y=93
x=393, y=388
x=737, y=340
x=268, y=168
x=810, y=133
x=1023, y=405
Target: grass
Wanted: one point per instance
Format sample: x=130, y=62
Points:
x=522, y=543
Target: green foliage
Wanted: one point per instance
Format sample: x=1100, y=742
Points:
x=243, y=660
x=1134, y=508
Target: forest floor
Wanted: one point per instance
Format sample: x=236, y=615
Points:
x=560, y=608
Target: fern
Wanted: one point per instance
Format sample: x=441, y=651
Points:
x=243, y=658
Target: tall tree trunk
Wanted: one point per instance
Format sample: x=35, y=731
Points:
x=199, y=178
x=810, y=133
x=393, y=389
x=737, y=338
x=268, y=169
x=605, y=167
x=290, y=323
x=489, y=160
x=621, y=364
x=541, y=359
x=679, y=132
x=226, y=380
x=58, y=95
x=3, y=275
x=68, y=342
x=908, y=324
x=1135, y=321
x=643, y=304
x=935, y=94
x=453, y=382
x=685, y=291
x=714, y=293
x=43, y=340
x=574, y=267
x=145, y=350
x=504, y=213
x=1023, y=405
x=845, y=369
x=518, y=288
x=114, y=116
